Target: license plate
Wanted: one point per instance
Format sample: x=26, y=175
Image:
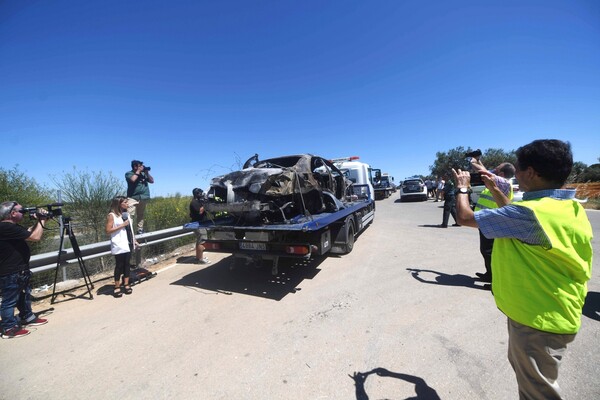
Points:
x=252, y=246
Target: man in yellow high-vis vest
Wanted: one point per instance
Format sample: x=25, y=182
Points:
x=502, y=173
x=541, y=262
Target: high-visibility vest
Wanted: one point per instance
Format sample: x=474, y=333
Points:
x=486, y=200
x=544, y=286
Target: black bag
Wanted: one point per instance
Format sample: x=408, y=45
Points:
x=138, y=275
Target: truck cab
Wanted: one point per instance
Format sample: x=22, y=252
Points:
x=359, y=173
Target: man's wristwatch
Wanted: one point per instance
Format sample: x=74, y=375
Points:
x=462, y=190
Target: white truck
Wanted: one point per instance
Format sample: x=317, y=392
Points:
x=358, y=172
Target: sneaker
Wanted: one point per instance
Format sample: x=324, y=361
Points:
x=140, y=231
x=204, y=261
x=35, y=322
x=14, y=332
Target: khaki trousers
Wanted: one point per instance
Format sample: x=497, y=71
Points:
x=535, y=357
x=136, y=208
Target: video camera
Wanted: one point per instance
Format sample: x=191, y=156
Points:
x=473, y=154
x=54, y=210
x=476, y=179
x=136, y=163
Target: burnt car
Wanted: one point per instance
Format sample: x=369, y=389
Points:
x=276, y=190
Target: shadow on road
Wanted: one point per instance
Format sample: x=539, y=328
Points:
x=441, y=278
x=437, y=226
x=422, y=390
x=253, y=281
x=591, y=308
x=106, y=290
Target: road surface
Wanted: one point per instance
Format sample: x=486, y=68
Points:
x=399, y=314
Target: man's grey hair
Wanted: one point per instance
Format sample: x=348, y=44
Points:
x=5, y=209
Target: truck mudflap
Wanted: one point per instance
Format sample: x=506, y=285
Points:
x=344, y=238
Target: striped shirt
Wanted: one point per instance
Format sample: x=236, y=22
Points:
x=513, y=221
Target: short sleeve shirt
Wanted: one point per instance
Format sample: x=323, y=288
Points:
x=139, y=190
x=195, y=207
x=14, y=250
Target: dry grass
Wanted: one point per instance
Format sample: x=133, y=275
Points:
x=589, y=191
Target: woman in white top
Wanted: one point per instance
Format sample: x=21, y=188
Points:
x=117, y=225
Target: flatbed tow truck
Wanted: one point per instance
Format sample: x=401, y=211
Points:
x=383, y=186
x=302, y=236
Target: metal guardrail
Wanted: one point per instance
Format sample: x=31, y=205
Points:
x=46, y=261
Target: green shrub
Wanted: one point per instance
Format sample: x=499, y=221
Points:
x=169, y=212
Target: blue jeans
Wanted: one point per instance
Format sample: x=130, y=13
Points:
x=16, y=292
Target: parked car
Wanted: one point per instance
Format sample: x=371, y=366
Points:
x=413, y=188
x=477, y=189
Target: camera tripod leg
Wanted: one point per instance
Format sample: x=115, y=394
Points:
x=77, y=251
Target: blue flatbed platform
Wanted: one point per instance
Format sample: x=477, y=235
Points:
x=300, y=222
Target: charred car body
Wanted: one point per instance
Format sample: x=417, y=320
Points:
x=278, y=189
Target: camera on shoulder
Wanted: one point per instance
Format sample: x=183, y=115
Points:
x=52, y=210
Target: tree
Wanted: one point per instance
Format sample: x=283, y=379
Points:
x=491, y=158
x=87, y=196
x=576, y=173
x=445, y=161
x=16, y=186
x=591, y=174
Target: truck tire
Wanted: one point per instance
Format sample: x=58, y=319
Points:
x=349, y=227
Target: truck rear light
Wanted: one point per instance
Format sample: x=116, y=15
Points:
x=303, y=250
x=212, y=246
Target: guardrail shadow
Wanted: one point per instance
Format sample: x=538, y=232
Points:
x=442, y=278
x=253, y=281
x=422, y=390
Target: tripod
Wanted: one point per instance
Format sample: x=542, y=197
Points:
x=67, y=230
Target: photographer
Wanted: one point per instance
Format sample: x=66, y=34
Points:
x=542, y=260
x=14, y=268
x=138, y=191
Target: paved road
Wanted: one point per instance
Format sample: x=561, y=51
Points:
x=402, y=302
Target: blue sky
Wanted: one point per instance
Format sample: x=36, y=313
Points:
x=194, y=88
